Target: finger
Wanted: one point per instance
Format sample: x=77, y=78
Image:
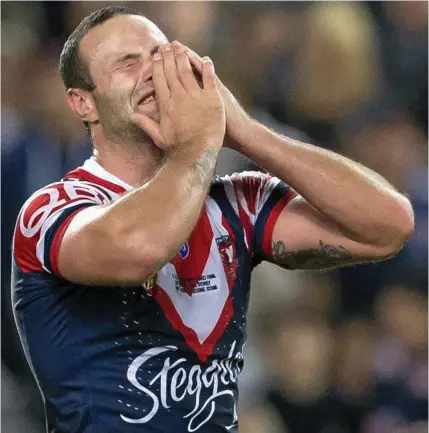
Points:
x=196, y=60
x=209, y=75
x=150, y=127
x=170, y=70
x=159, y=80
x=185, y=73
x=197, y=63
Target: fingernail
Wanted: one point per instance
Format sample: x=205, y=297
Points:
x=156, y=56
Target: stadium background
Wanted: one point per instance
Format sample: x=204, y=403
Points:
x=328, y=352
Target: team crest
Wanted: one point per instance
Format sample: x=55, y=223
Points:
x=228, y=256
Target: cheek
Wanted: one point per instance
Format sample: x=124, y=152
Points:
x=114, y=98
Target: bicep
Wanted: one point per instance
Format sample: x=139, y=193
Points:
x=90, y=254
x=304, y=239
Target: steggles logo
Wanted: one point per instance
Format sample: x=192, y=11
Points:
x=176, y=383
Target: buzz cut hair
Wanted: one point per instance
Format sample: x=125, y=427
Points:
x=74, y=70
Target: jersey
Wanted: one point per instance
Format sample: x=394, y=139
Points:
x=158, y=357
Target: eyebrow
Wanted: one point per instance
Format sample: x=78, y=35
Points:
x=127, y=56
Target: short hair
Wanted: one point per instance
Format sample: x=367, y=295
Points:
x=74, y=70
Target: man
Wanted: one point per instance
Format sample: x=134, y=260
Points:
x=132, y=273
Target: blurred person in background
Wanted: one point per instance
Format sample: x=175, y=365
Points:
x=329, y=69
x=399, y=365
x=389, y=141
x=87, y=322
x=241, y=33
x=299, y=352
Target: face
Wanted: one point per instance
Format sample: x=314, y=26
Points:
x=119, y=55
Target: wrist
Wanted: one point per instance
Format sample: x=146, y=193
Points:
x=199, y=163
x=242, y=139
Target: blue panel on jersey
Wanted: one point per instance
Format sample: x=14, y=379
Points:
x=49, y=236
x=258, y=232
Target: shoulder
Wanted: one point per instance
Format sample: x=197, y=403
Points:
x=248, y=180
x=46, y=211
x=240, y=177
x=251, y=185
x=57, y=196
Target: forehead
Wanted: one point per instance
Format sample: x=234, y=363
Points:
x=132, y=33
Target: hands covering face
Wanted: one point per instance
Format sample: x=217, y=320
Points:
x=237, y=120
x=191, y=114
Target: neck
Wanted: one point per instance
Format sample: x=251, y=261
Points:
x=133, y=164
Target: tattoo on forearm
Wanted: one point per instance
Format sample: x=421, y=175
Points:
x=310, y=258
x=205, y=166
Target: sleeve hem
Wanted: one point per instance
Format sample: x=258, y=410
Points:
x=56, y=243
x=272, y=219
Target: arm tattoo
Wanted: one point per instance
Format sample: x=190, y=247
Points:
x=325, y=256
x=205, y=167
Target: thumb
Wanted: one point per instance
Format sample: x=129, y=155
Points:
x=151, y=128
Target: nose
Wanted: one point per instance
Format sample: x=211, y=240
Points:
x=146, y=71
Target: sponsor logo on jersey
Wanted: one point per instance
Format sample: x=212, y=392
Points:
x=205, y=384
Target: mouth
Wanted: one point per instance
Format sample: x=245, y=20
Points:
x=147, y=98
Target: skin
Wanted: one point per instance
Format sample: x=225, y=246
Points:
x=122, y=145
x=344, y=213
x=166, y=149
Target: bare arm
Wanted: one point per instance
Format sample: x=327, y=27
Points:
x=346, y=213
x=130, y=240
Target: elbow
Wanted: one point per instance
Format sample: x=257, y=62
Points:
x=402, y=229
x=143, y=261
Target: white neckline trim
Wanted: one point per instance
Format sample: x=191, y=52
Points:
x=93, y=167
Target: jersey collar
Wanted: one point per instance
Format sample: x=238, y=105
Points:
x=93, y=167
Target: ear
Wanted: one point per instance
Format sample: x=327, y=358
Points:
x=83, y=105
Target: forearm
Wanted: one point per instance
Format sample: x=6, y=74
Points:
x=359, y=201
x=162, y=213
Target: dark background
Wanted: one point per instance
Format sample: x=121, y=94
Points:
x=328, y=352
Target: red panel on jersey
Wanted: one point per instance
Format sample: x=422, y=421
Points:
x=272, y=219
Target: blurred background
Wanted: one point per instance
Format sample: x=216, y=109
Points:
x=342, y=351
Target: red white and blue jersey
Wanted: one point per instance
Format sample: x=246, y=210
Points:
x=159, y=357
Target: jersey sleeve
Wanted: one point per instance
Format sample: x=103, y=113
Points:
x=43, y=220
x=258, y=200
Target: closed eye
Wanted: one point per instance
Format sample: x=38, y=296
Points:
x=128, y=60
x=130, y=63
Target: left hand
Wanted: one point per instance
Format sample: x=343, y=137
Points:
x=237, y=120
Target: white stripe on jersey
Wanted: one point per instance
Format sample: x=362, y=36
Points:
x=99, y=188
x=201, y=311
x=230, y=194
x=243, y=202
x=268, y=189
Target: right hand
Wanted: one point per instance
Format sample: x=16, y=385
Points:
x=189, y=115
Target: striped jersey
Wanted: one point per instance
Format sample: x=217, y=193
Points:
x=162, y=356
